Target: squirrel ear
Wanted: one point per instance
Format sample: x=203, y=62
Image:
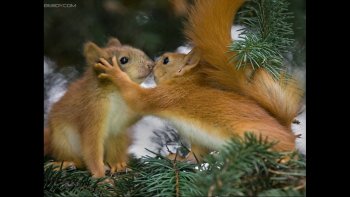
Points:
x=92, y=53
x=113, y=42
x=191, y=60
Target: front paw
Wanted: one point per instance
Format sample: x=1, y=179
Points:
x=118, y=167
x=109, y=71
x=103, y=71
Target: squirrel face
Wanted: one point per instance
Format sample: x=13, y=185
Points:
x=167, y=65
x=171, y=65
x=132, y=61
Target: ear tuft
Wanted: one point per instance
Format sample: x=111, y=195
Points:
x=113, y=42
x=193, y=57
x=92, y=53
x=191, y=60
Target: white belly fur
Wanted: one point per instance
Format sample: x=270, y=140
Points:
x=117, y=121
x=197, y=134
x=119, y=115
x=73, y=139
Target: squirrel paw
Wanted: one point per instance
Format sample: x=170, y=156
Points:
x=109, y=181
x=118, y=167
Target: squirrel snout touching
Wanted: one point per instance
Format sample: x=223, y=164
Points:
x=150, y=65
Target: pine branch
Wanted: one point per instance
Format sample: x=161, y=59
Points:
x=177, y=193
x=161, y=176
x=266, y=36
x=247, y=167
x=73, y=183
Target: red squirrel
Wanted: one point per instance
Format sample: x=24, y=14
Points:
x=87, y=125
x=206, y=116
x=202, y=93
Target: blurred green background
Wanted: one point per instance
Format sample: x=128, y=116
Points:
x=155, y=26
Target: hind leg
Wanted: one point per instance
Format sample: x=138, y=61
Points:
x=92, y=149
x=62, y=149
x=117, y=151
x=197, y=153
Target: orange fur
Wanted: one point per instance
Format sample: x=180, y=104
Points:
x=209, y=30
x=87, y=125
x=281, y=98
x=197, y=153
x=206, y=116
x=179, y=7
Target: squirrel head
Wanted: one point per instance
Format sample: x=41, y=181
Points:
x=174, y=65
x=132, y=61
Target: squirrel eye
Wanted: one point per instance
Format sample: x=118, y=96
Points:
x=124, y=60
x=166, y=60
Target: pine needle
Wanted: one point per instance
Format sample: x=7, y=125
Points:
x=266, y=36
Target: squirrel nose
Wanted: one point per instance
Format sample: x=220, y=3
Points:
x=150, y=66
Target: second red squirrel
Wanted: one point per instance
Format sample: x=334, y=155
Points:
x=204, y=96
x=208, y=117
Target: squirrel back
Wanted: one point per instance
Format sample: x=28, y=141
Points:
x=209, y=30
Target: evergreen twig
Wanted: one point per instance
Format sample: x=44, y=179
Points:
x=245, y=167
x=248, y=167
x=266, y=35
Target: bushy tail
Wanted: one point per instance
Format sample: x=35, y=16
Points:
x=281, y=98
x=209, y=30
